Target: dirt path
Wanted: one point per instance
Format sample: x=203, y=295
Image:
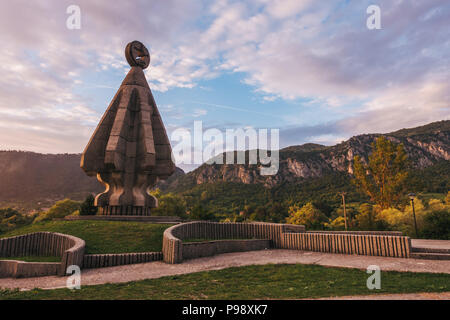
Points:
x=158, y=269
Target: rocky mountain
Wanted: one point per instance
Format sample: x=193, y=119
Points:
x=425, y=146
x=31, y=180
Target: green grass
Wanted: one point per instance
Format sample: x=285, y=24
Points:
x=204, y=240
x=251, y=282
x=104, y=236
x=34, y=258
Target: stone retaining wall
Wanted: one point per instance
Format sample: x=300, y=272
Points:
x=117, y=259
x=69, y=248
x=371, y=245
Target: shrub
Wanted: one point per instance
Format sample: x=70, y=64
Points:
x=365, y=220
x=59, y=210
x=201, y=213
x=437, y=225
x=170, y=205
x=308, y=215
x=11, y=219
x=87, y=208
x=336, y=224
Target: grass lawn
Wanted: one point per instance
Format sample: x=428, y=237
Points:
x=104, y=236
x=251, y=282
x=34, y=258
x=204, y=239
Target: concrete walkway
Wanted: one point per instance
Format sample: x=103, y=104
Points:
x=431, y=244
x=158, y=269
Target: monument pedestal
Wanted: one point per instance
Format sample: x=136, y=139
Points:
x=124, y=211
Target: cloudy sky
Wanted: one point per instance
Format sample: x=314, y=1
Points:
x=310, y=68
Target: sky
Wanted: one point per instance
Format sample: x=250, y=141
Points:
x=311, y=69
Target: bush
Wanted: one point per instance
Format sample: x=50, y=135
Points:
x=336, y=224
x=431, y=219
x=87, y=208
x=365, y=220
x=201, y=213
x=11, y=219
x=308, y=215
x=170, y=205
x=437, y=225
x=61, y=209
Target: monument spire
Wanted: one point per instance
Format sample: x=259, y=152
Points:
x=129, y=150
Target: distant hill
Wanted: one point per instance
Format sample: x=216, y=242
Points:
x=426, y=145
x=31, y=180
x=37, y=180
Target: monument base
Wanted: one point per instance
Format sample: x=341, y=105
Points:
x=123, y=211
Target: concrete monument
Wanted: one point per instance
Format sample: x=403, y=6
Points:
x=129, y=150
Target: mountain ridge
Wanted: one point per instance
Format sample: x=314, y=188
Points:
x=44, y=178
x=425, y=146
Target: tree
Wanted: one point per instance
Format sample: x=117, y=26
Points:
x=260, y=214
x=201, y=213
x=366, y=217
x=383, y=179
x=437, y=225
x=308, y=215
x=170, y=205
x=87, y=208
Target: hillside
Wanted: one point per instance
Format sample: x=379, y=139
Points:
x=426, y=146
x=310, y=171
x=32, y=180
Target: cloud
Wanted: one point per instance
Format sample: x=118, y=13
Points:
x=285, y=49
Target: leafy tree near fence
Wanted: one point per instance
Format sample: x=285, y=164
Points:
x=308, y=215
x=383, y=179
x=437, y=225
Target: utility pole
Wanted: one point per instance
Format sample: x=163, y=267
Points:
x=345, y=212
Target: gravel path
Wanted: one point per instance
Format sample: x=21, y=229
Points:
x=158, y=269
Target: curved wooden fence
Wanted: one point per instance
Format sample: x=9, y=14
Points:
x=173, y=237
x=219, y=238
x=281, y=236
x=69, y=248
